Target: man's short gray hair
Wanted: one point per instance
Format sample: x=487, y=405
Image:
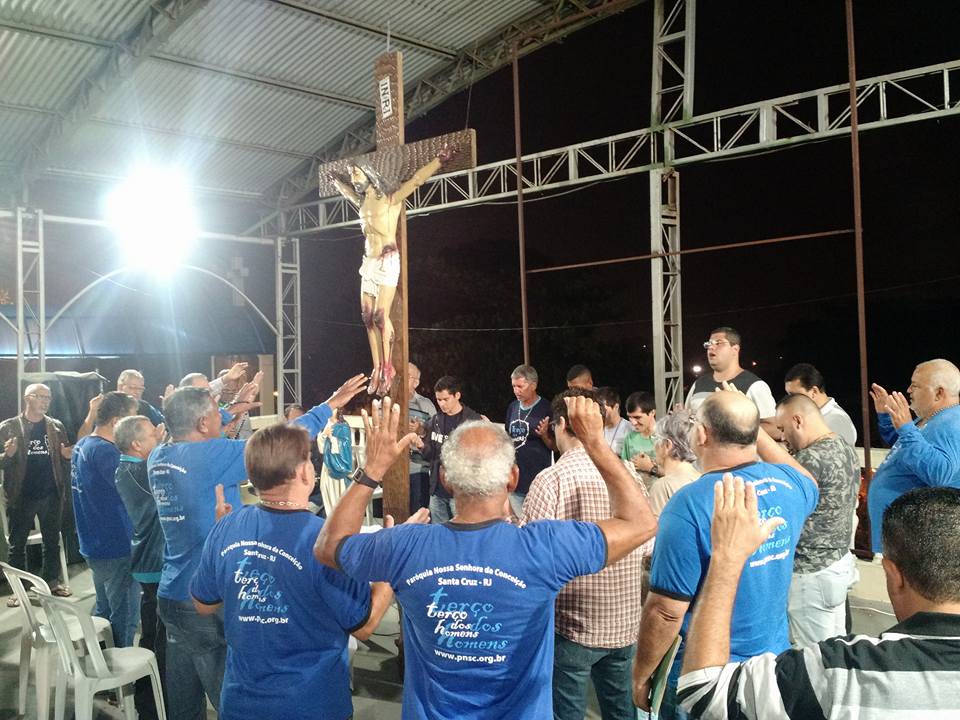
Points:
x=943, y=373
x=128, y=430
x=675, y=427
x=188, y=379
x=478, y=464
x=126, y=375
x=184, y=408
x=527, y=372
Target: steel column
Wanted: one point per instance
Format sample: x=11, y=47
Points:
x=671, y=96
x=31, y=301
x=665, y=289
x=288, y=308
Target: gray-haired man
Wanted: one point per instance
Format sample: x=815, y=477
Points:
x=528, y=425
x=478, y=592
x=183, y=477
x=32, y=449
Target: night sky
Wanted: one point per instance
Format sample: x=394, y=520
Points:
x=792, y=302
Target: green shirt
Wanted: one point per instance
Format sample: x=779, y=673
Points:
x=637, y=443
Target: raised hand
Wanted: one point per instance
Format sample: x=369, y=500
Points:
x=249, y=391
x=94, y=404
x=222, y=508
x=237, y=372
x=167, y=392
x=880, y=398
x=899, y=409
x=10, y=447
x=383, y=448
x=586, y=419
x=736, y=532
x=729, y=387
x=346, y=392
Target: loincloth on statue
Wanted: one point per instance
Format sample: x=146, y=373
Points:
x=377, y=271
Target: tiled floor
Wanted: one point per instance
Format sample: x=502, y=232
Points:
x=377, y=686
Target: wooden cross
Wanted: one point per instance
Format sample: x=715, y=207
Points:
x=398, y=162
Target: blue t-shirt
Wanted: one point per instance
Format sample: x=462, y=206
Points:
x=532, y=455
x=103, y=526
x=477, y=609
x=286, y=617
x=681, y=556
x=920, y=457
x=182, y=478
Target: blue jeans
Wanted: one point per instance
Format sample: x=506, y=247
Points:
x=118, y=597
x=609, y=668
x=196, y=656
x=441, y=509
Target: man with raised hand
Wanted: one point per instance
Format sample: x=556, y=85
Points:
x=726, y=435
x=183, y=475
x=477, y=592
x=910, y=671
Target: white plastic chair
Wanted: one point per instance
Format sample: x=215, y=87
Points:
x=37, y=635
x=109, y=669
x=34, y=538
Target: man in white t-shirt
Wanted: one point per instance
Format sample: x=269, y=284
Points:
x=723, y=355
x=805, y=379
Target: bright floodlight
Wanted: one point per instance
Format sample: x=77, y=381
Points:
x=152, y=215
x=697, y=369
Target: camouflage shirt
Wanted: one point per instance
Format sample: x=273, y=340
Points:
x=826, y=534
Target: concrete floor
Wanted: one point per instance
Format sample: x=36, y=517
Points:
x=377, y=682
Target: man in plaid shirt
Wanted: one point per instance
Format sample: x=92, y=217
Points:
x=597, y=616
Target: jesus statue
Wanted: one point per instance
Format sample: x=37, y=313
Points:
x=379, y=207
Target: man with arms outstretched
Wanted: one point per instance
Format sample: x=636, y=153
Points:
x=477, y=592
x=379, y=207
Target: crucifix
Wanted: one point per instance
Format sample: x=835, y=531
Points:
x=378, y=184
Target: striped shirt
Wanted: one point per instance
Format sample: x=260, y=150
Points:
x=601, y=610
x=910, y=671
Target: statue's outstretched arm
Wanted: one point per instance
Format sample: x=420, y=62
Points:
x=418, y=179
x=346, y=190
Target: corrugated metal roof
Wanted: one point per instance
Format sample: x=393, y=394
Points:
x=17, y=129
x=103, y=19
x=452, y=23
x=42, y=72
x=212, y=166
x=172, y=97
x=241, y=92
x=278, y=42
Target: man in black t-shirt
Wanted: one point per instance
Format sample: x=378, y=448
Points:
x=33, y=449
x=447, y=391
x=528, y=424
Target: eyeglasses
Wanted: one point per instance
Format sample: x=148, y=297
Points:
x=40, y=397
x=714, y=343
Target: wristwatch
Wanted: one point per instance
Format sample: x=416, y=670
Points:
x=360, y=476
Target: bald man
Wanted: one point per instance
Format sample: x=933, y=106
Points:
x=926, y=451
x=725, y=436
x=823, y=568
x=34, y=447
